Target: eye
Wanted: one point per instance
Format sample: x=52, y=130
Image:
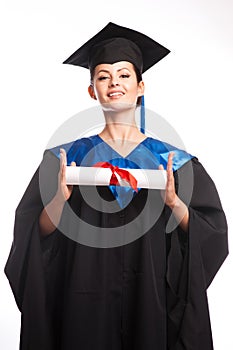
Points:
x=124, y=76
x=103, y=78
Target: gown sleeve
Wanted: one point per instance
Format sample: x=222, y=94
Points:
x=24, y=267
x=193, y=260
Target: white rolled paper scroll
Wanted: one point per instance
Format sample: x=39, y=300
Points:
x=97, y=176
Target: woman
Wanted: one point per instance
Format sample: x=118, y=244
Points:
x=111, y=267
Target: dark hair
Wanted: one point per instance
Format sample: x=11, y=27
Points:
x=138, y=75
x=139, y=78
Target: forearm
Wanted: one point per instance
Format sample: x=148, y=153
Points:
x=181, y=213
x=51, y=215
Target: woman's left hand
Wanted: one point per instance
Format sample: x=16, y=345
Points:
x=169, y=195
x=178, y=207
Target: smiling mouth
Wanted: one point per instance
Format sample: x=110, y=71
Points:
x=115, y=94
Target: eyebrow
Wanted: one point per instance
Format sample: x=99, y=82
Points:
x=107, y=71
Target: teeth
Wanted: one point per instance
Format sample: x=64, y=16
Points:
x=116, y=94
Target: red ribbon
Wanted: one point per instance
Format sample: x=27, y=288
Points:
x=124, y=174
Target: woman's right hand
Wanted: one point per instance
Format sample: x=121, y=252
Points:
x=64, y=191
x=51, y=214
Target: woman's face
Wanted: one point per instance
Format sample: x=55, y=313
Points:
x=116, y=84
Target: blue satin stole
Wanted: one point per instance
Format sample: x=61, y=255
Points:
x=146, y=155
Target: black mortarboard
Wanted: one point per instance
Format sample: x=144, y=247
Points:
x=115, y=43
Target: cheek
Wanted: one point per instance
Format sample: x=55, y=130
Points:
x=100, y=94
x=135, y=91
x=99, y=89
x=96, y=91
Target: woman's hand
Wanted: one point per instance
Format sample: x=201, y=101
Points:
x=63, y=191
x=169, y=195
x=51, y=214
x=179, y=208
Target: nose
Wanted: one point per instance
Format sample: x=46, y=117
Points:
x=114, y=81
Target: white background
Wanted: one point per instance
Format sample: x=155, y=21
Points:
x=191, y=88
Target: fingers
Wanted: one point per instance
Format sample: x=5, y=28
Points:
x=170, y=178
x=169, y=195
x=170, y=161
x=63, y=159
x=63, y=162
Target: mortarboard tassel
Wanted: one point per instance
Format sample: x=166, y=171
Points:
x=142, y=116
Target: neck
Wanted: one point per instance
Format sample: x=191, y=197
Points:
x=121, y=125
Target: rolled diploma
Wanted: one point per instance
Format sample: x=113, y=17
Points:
x=96, y=176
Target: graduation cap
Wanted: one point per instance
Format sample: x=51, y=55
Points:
x=115, y=43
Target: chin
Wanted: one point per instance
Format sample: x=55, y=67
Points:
x=116, y=106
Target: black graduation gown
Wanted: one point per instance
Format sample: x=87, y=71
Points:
x=148, y=294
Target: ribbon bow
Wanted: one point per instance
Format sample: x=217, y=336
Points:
x=124, y=174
